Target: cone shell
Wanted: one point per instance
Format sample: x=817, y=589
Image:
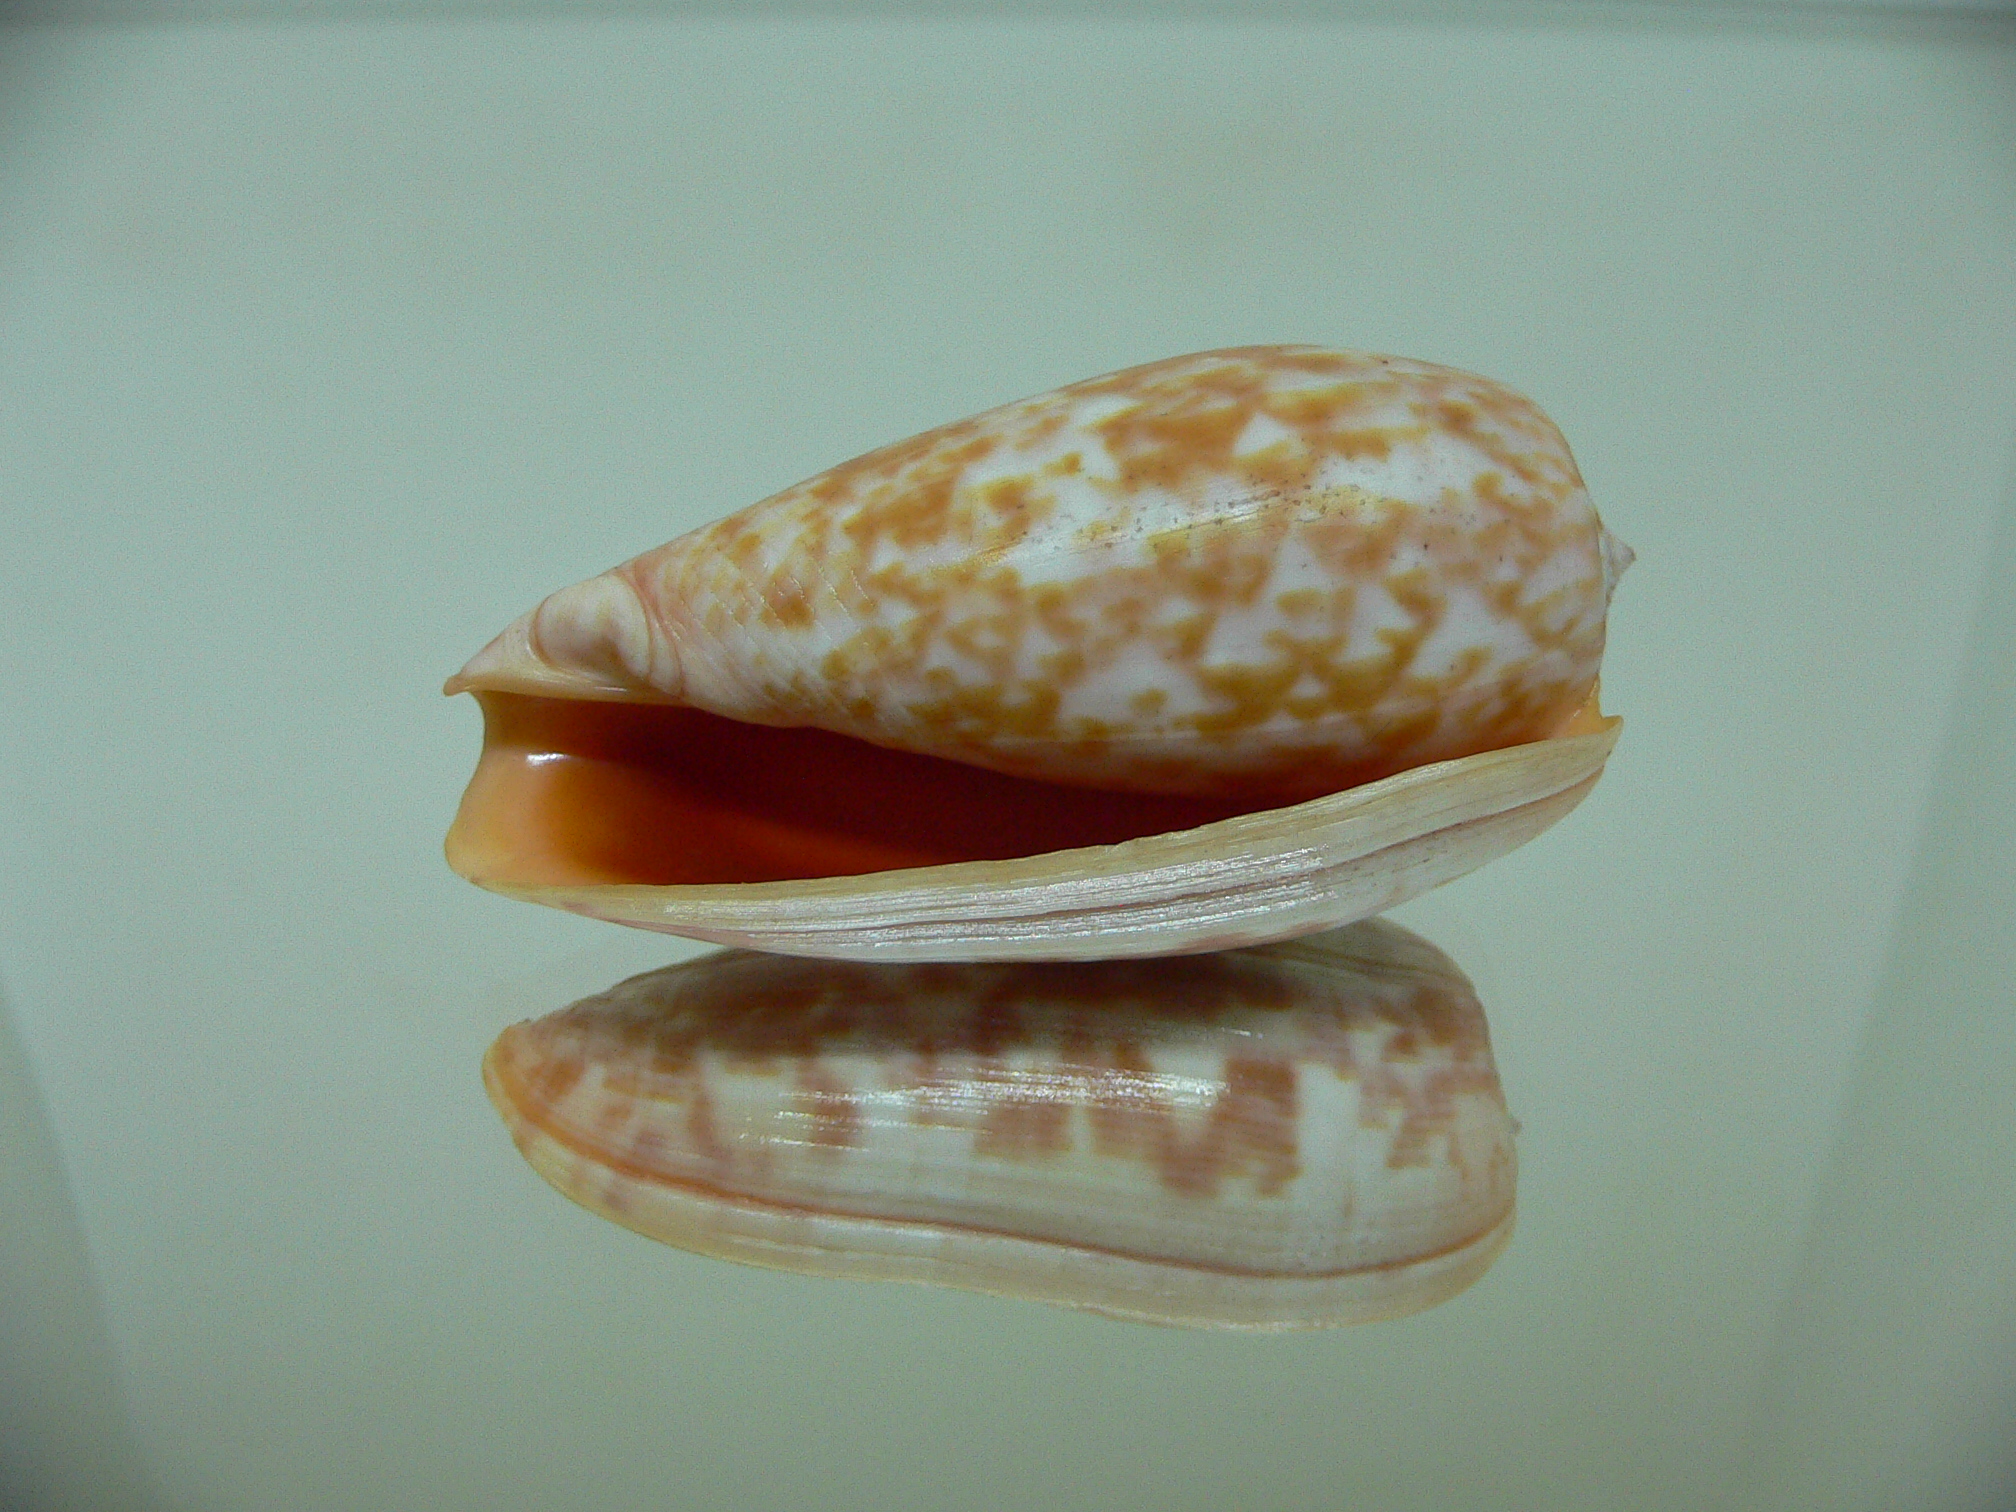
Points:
x=1292, y=1136
x=1211, y=589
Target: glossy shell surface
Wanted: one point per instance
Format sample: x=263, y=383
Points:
x=1228, y=648
x=1294, y=1136
x=1272, y=571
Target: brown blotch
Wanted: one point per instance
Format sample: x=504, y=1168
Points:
x=829, y=1115
x=786, y=604
x=1251, y=1132
x=1021, y=1127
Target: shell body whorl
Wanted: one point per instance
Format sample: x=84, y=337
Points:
x=1266, y=572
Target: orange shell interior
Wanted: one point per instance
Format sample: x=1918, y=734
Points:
x=575, y=792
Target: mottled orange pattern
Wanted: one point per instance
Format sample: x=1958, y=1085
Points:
x=1172, y=1108
x=1263, y=572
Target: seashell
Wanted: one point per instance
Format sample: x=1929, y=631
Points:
x=1221, y=649
x=1295, y=1135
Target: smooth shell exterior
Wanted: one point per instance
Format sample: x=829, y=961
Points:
x=1265, y=572
x=1293, y=1136
x=1224, y=649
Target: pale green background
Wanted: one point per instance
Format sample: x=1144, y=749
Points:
x=327, y=347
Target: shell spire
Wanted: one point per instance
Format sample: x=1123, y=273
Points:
x=593, y=640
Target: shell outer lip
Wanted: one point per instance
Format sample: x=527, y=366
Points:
x=1245, y=880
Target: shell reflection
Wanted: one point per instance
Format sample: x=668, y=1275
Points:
x=1290, y=1136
